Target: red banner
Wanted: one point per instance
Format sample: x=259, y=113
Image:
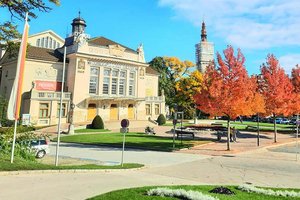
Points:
x=48, y=85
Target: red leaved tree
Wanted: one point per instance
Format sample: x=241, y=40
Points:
x=295, y=78
x=276, y=88
x=227, y=89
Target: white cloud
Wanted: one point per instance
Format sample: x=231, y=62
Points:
x=252, y=24
x=289, y=61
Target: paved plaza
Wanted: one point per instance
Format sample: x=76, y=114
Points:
x=268, y=165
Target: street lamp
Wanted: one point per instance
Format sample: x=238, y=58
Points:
x=71, y=126
x=195, y=115
x=257, y=81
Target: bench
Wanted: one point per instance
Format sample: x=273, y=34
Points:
x=184, y=132
x=251, y=128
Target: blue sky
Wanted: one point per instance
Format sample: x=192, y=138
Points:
x=172, y=27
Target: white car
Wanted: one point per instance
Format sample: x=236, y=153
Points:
x=40, y=147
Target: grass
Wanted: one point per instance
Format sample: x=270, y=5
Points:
x=133, y=140
x=89, y=130
x=140, y=194
x=21, y=164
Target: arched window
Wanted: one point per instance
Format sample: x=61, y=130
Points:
x=38, y=41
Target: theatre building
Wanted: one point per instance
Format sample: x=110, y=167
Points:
x=101, y=77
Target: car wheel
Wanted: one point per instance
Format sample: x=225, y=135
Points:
x=40, y=154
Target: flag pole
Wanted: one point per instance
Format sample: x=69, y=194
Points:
x=13, y=110
x=60, y=109
x=14, y=142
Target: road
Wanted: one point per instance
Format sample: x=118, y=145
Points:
x=263, y=168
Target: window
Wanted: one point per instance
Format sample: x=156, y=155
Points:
x=157, y=109
x=43, y=41
x=131, y=83
x=121, y=86
x=123, y=74
x=54, y=44
x=46, y=42
x=94, y=76
x=44, y=110
x=50, y=43
x=38, y=41
x=148, y=109
x=63, y=110
x=114, y=83
x=105, y=85
x=57, y=45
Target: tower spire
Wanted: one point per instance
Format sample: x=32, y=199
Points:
x=203, y=33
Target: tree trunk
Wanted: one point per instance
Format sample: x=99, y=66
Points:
x=275, y=130
x=228, y=134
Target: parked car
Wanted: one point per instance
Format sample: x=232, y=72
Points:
x=39, y=147
x=293, y=121
x=278, y=120
x=285, y=121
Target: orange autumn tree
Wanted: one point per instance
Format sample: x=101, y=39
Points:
x=227, y=89
x=295, y=78
x=276, y=88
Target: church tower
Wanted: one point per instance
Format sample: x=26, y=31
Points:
x=204, y=51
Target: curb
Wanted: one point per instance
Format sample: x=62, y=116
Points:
x=51, y=171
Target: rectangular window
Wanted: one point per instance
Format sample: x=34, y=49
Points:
x=42, y=43
x=131, y=75
x=157, y=109
x=44, y=110
x=63, y=110
x=148, y=109
x=38, y=41
x=105, y=85
x=94, y=78
x=121, y=86
x=131, y=87
x=114, y=82
x=46, y=42
x=50, y=43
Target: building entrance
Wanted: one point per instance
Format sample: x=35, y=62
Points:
x=113, y=112
x=92, y=111
x=130, y=111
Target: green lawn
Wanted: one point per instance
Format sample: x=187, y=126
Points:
x=21, y=164
x=140, y=194
x=88, y=130
x=133, y=140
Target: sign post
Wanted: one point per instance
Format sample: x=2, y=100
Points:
x=124, y=130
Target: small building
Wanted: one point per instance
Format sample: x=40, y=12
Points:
x=101, y=77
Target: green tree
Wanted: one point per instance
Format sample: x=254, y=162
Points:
x=18, y=9
x=171, y=70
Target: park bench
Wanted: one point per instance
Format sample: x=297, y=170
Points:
x=251, y=128
x=182, y=132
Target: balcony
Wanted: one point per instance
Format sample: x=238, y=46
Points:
x=155, y=99
x=45, y=95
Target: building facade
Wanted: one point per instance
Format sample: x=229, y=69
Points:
x=101, y=77
x=204, y=51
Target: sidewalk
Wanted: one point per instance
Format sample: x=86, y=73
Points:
x=246, y=141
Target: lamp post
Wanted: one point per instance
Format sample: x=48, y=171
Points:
x=195, y=115
x=258, y=136
x=174, y=124
x=71, y=126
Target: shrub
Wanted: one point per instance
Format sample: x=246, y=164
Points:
x=161, y=119
x=97, y=123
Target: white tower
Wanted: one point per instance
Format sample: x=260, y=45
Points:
x=204, y=51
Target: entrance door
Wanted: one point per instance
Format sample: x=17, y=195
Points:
x=130, y=111
x=113, y=112
x=92, y=111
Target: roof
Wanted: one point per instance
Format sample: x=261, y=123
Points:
x=37, y=53
x=150, y=70
x=102, y=41
x=44, y=54
x=48, y=31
